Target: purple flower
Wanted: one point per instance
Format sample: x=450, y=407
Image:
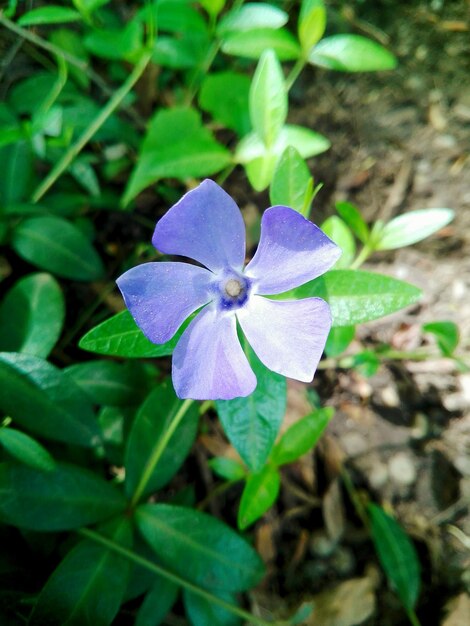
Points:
x=288, y=336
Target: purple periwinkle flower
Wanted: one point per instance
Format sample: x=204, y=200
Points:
x=288, y=336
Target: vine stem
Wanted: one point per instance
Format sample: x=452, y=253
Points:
x=294, y=73
x=160, y=571
x=158, y=451
x=95, y=125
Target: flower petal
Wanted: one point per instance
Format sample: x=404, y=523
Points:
x=288, y=336
x=205, y=225
x=208, y=361
x=160, y=296
x=291, y=252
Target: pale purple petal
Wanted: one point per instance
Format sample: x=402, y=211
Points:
x=288, y=336
x=160, y=296
x=208, y=361
x=205, y=225
x=291, y=252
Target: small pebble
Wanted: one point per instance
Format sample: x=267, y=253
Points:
x=378, y=476
x=354, y=443
x=402, y=469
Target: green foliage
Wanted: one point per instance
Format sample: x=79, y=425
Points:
x=397, y=555
x=292, y=184
x=260, y=492
x=25, y=449
x=446, y=334
x=351, y=53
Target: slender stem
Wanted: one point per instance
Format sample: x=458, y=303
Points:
x=363, y=255
x=157, y=452
x=413, y=617
x=95, y=125
x=160, y=571
x=294, y=73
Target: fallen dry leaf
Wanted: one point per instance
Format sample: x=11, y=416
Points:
x=347, y=604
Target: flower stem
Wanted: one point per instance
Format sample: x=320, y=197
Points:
x=157, y=452
x=95, y=125
x=294, y=73
x=174, y=578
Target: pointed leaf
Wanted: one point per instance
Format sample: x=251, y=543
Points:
x=312, y=23
x=353, y=218
x=252, y=43
x=52, y=14
x=157, y=603
x=202, y=612
x=337, y=230
x=351, y=53
x=65, y=498
x=260, y=493
x=26, y=449
x=199, y=547
x=291, y=181
x=412, y=227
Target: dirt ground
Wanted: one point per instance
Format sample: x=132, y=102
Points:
x=400, y=142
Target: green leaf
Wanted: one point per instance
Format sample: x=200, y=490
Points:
x=116, y=43
x=302, y=436
x=149, y=428
x=107, y=382
x=268, y=98
x=351, y=53
x=397, y=555
x=260, y=493
x=213, y=7
x=447, y=335
x=51, y=14
x=227, y=468
x=353, y=218
x=199, y=547
x=56, y=245
x=202, y=612
x=292, y=183
x=412, y=227
x=16, y=165
x=183, y=52
x=120, y=336
x=252, y=16
x=88, y=586
x=45, y=401
x=177, y=145
x=32, y=315
x=366, y=363
x=312, y=23
x=339, y=339
x=72, y=43
x=338, y=231
x=65, y=498
x=157, y=603
x=251, y=44
x=356, y=297
x=225, y=96
x=25, y=449
x=252, y=423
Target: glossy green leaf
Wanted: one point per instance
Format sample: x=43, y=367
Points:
x=56, y=245
x=252, y=423
x=157, y=603
x=356, y=297
x=260, y=493
x=116, y=44
x=32, y=315
x=339, y=339
x=339, y=232
x=26, y=449
x=312, y=23
x=251, y=44
x=52, y=14
x=227, y=468
x=292, y=183
x=397, y=555
x=302, y=436
x=88, y=586
x=268, y=99
x=65, y=498
x=412, y=227
x=202, y=612
x=150, y=426
x=225, y=96
x=46, y=401
x=107, y=382
x=353, y=218
x=177, y=145
x=120, y=336
x=351, y=53
x=199, y=547
x=16, y=165
x=252, y=16
x=447, y=335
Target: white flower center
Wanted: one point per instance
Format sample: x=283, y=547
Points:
x=233, y=287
